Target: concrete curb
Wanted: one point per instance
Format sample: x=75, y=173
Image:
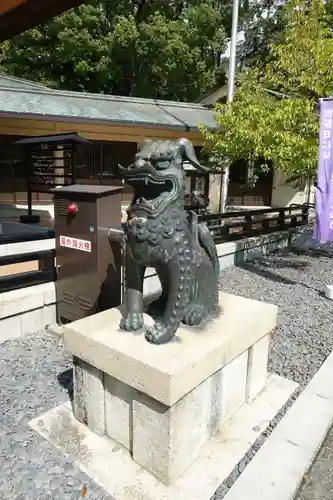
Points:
x=277, y=470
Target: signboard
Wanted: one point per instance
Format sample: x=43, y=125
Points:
x=324, y=190
x=75, y=243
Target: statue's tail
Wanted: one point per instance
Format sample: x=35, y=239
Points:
x=207, y=242
x=204, y=239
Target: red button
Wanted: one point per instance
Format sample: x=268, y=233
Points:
x=72, y=208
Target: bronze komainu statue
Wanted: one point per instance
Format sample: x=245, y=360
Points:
x=161, y=234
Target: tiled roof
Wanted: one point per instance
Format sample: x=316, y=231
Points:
x=69, y=138
x=45, y=103
x=14, y=82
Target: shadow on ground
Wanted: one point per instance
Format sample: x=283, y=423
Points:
x=266, y=273
x=312, y=252
x=265, y=267
x=272, y=266
x=65, y=379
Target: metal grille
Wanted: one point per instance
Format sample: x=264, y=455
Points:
x=85, y=303
x=62, y=206
x=11, y=158
x=68, y=298
x=99, y=161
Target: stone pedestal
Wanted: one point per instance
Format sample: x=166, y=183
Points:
x=163, y=403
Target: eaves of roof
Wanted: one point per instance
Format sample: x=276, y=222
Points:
x=44, y=103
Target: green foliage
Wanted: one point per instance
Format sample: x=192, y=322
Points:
x=273, y=119
x=262, y=23
x=151, y=48
x=70, y=52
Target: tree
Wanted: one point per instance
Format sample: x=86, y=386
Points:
x=273, y=119
x=262, y=22
x=147, y=48
x=70, y=51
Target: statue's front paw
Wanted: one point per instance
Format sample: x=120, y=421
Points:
x=159, y=333
x=132, y=322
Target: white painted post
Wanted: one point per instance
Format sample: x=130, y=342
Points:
x=329, y=292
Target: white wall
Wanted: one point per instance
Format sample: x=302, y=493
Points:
x=284, y=194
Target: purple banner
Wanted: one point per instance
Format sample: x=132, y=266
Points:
x=324, y=191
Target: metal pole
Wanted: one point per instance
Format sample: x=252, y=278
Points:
x=118, y=236
x=29, y=166
x=231, y=85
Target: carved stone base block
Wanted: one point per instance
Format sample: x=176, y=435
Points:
x=163, y=403
x=88, y=393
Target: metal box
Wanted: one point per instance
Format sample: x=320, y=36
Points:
x=88, y=265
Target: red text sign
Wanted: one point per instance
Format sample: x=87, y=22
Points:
x=75, y=243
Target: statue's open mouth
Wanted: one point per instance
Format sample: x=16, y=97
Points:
x=151, y=193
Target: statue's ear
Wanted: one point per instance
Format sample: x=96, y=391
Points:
x=188, y=153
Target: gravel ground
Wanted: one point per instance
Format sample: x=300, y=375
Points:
x=33, y=376
x=32, y=381
x=294, y=280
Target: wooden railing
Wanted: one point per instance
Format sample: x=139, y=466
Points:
x=20, y=246
x=231, y=226
x=27, y=256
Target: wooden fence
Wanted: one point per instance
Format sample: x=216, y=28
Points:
x=27, y=253
x=27, y=256
x=231, y=226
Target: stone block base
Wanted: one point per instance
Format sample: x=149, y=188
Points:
x=164, y=403
x=113, y=468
